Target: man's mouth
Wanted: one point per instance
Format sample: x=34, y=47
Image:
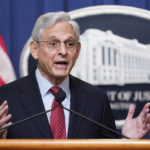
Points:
x=61, y=64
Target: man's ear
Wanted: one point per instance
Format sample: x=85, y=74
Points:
x=78, y=49
x=34, y=49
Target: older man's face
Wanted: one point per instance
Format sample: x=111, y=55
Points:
x=57, y=56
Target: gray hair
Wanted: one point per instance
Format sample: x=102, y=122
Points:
x=49, y=19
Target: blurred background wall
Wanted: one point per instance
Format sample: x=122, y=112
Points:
x=17, y=18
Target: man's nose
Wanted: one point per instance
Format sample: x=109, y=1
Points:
x=62, y=48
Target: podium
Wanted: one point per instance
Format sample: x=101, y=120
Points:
x=98, y=144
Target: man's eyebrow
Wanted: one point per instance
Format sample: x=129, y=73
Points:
x=68, y=38
x=52, y=37
x=71, y=38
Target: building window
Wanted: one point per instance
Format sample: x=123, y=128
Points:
x=109, y=56
x=115, y=57
x=103, y=55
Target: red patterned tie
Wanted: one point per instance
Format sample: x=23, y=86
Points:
x=57, y=120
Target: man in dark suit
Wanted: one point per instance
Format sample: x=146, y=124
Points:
x=56, y=46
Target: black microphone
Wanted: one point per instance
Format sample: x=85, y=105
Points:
x=63, y=94
x=60, y=96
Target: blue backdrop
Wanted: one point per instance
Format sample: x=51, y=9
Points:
x=17, y=18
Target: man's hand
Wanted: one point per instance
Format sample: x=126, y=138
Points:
x=4, y=118
x=136, y=128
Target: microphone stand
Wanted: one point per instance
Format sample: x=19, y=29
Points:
x=28, y=118
x=95, y=122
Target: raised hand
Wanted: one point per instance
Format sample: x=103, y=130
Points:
x=136, y=128
x=4, y=118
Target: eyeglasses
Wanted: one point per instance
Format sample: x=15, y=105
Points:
x=70, y=45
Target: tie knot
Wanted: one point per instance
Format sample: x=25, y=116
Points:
x=55, y=90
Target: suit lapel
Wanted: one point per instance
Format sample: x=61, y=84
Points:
x=31, y=99
x=78, y=104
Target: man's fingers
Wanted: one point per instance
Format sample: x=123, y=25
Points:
x=4, y=120
x=3, y=104
x=147, y=119
x=146, y=122
x=3, y=123
x=6, y=125
x=148, y=126
x=131, y=111
x=3, y=109
x=3, y=133
x=145, y=110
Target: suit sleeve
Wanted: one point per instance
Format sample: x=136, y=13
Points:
x=108, y=120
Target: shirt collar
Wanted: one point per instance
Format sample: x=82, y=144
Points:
x=45, y=85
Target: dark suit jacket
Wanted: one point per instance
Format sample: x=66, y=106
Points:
x=24, y=100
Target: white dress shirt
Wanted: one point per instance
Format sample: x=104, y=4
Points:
x=47, y=96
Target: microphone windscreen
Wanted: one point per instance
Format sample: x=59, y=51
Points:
x=60, y=96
